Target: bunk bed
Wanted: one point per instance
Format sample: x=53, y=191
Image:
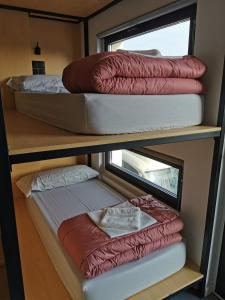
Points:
x=23, y=139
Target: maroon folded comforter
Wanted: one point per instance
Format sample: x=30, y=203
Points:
x=128, y=73
x=94, y=252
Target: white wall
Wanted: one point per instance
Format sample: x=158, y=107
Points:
x=210, y=47
x=197, y=156
x=217, y=232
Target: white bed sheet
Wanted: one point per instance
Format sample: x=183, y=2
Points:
x=63, y=203
x=112, y=114
x=120, y=282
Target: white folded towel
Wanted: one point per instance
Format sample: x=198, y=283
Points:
x=122, y=228
x=121, y=217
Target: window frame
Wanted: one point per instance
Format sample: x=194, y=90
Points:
x=188, y=12
x=164, y=195
x=38, y=67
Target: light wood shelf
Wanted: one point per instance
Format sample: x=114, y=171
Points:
x=41, y=281
x=171, y=285
x=28, y=135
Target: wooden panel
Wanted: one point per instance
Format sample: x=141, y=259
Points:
x=15, y=47
x=56, y=53
x=15, y=58
x=42, y=282
x=27, y=135
x=19, y=35
x=76, y=7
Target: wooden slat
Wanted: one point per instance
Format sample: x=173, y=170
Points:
x=76, y=7
x=27, y=135
x=42, y=282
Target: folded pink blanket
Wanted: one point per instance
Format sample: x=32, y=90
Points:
x=94, y=252
x=128, y=73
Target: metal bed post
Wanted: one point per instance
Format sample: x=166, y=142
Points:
x=86, y=53
x=7, y=219
x=213, y=189
x=86, y=37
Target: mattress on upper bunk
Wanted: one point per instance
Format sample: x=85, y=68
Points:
x=112, y=114
x=59, y=204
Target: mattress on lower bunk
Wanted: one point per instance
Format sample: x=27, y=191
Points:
x=112, y=114
x=61, y=203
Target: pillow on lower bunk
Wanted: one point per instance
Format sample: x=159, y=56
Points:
x=54, y=178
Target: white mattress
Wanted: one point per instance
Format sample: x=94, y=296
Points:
x=123, y=281
x=112, y=114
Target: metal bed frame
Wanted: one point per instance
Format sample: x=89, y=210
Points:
x=7, y=214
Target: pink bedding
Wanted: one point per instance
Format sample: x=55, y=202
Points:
x=128, y=73
x=94, y=252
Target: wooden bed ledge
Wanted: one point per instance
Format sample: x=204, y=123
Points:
x=28, y=135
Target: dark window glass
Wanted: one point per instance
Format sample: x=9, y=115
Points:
x=38, y=67
x=151, y=171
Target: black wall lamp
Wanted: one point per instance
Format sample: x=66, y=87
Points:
x=37, y=50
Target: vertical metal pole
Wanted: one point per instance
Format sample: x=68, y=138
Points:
x=89, y=160
x=213, y=190
x=86, y=53
x=86, y=38
x=7, y=219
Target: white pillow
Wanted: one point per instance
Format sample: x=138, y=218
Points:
x=148, y=53
x=37, y=83
x=54, y=178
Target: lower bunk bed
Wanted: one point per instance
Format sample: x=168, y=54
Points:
x=49, y=208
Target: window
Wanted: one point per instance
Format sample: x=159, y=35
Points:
x=151, y=171
x=172, y=34
x=38, y=67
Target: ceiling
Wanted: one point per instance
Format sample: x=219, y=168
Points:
x=81, y=8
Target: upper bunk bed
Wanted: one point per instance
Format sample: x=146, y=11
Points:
x=30, y=139
x=149, y=93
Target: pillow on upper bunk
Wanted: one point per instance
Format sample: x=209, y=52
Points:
x=37, y=83
x=148, y=53
x=54, y=178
